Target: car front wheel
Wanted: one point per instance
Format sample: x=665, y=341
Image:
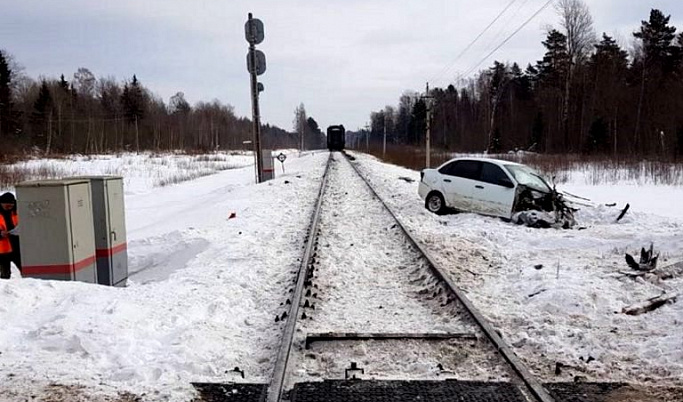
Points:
x=435, y=203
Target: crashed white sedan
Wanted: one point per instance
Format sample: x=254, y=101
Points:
x=492, y=187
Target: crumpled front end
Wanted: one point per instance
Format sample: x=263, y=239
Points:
x=539, y=209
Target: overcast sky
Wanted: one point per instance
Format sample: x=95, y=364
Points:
x=341, y=58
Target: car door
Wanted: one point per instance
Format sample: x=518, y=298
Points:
x=459, y=178
x=494, y=193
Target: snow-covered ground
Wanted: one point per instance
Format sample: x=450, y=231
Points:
x=557, y=295
x=141, y=172
x=202, y=298
x=205, y=289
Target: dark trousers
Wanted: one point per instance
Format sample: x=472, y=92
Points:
x=16, y=251
x=5, y=265
x=6, y=260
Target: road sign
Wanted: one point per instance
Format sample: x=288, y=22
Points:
x=260, y=62
x=282, y=158
x=253, y=31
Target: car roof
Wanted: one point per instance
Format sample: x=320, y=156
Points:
x=481, y=159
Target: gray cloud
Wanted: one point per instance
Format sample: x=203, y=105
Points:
x=342, y=59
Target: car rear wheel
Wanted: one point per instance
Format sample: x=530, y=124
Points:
x=435, y=203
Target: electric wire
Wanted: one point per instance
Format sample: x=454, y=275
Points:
x=512, y=35
x=504, y=29
x=450, y=65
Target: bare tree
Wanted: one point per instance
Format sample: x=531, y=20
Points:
x=300, y=124
x=576, y=19
x=84, y=82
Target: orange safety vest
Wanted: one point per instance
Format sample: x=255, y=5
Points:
x=5, y=245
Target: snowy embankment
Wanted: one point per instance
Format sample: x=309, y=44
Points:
x=202, y=296
x=557, y=295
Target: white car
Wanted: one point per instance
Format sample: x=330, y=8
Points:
x=485, y=186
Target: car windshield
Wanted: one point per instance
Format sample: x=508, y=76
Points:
x=528, y=177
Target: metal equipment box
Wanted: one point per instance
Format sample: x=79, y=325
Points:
x=56, y=230
x=110, y=229
x=267, y=163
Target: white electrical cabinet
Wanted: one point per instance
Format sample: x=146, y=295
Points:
x=56, y=230
x=110, y=229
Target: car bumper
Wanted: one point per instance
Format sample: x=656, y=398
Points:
x=423, y=190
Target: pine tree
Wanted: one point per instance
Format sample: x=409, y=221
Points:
x=133, y=101
x=418, y=123
x=7, y=118
x=42, y=117
x=555, y=64
x=657, y=37
x=654, y=70
x=63, y=83
x=608, y=68
x=608, y=52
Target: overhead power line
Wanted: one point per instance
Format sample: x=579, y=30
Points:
x=506, y=25
x=450, y=65
x=540, y=10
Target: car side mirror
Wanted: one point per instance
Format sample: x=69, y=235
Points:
x=505, y=182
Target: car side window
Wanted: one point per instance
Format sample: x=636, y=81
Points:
x=466, y=169
x=448, y=169
x=492, y=174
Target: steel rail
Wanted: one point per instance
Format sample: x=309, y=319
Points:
x=276, y=385
x=533, y=385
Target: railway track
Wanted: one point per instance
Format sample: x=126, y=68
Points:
x=373, y=317
x=414, y=325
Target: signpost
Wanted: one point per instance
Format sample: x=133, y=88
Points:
x=256, y=65
x=282, y=157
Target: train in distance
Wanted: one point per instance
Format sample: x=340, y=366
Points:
x=336, y=138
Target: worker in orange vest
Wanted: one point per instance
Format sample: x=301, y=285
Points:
x=9, y=235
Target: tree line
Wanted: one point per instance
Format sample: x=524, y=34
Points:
x=87, y=114
x=586, y=95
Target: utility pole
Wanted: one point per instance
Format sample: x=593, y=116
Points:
x=367, y=139
x=384, y=145
x=256, y=65
x=302, y=131
x=428, y=144
x=137, y=134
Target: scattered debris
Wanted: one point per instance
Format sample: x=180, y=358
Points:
x=650, y=304
x=238, y=371
x=407, y=179
x=648, y=261
x=353, y=372
x=538, y=292
x=538, y=266
x=623, y=212
x=534, y=219
x=232, y=215
x=558, y=368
